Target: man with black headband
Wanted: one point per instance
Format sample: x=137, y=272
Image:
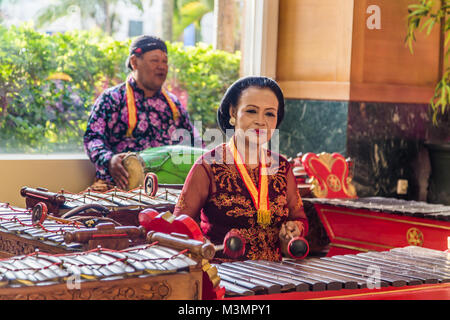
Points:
x=135, y=115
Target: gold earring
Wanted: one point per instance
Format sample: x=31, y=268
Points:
x=232, y=121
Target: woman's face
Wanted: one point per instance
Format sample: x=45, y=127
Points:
x=256, y=115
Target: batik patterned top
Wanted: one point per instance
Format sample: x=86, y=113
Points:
x=108, y=124
x=215, y=190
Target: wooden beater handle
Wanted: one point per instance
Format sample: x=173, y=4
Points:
x=180, y=242
x=103, y=231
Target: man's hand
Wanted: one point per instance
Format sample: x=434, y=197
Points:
x=118, y=171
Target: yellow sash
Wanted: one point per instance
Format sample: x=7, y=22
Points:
x=131, y=107
x=259, y=196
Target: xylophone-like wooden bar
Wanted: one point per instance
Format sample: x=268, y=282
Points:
x=408, y=266
x=19, y=235
x=417, y=209
x=116, y=198
x=121, y=206
x=149, y=271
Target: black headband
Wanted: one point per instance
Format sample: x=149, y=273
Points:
x=143, y=44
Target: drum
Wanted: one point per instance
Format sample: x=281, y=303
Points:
x=171, y=164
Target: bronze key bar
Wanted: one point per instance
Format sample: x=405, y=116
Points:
x=116, y=265
x=140, y=256
x=400, y=280
x=243, y=283
x=285, y=284
x=296, y=280
x=396, y=269
x=334, y=281
x=363, y=270
x=238, y=290
x=421, y=263
x=330, y=284
x=86, y=272
x=360, y=281
x=427, y=277
x=268, y=287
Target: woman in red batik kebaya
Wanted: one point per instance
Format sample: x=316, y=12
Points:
x=242, y=185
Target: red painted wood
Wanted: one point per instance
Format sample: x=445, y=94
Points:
x=369, y=230
x=331, y=177
x=421, y=292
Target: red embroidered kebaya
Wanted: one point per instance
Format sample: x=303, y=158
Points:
x=215, y=191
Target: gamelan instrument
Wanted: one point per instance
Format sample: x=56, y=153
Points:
x=365, y=272
x=375, y=223
x=22, y=231
x=184, y=227
x=118, y=205
x=149, y=271
x=355, y=224
x=170, y=163
x=92, y=250
x=151, y=184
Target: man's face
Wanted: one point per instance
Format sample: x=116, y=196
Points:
x=150, y=69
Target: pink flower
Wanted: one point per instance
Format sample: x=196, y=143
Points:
x=159, y=105
x=154, y=120
x=115, y=96
x=95, y=143
x=124, y=116
x=142, y=125
x=99, y=126
x=113, y=121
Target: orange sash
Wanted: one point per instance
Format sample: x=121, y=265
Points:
x=131, y=107
x=259, y=196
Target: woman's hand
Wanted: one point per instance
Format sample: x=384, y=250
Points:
x=288, y=231
x=118, y=171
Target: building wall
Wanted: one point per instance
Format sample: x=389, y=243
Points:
x=71, y=173
x=354, y=87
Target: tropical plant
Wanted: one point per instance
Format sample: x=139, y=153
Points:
x=103, y=12
x=424, y=16
x=187, y=12
x=205, y=74
x=48, y=84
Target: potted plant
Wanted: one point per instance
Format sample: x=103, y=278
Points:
x=424, y=16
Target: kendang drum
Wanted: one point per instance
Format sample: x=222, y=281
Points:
x=171, y=164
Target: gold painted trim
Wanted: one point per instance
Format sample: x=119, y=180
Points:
x=327, y=223
x=364, y=242
x=443, y=285
x=388, y=219
x=348, y=247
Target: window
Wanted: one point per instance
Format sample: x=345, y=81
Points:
x=55, y=61
x=135, y=28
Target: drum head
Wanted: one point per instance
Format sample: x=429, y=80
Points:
x=135, y=171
